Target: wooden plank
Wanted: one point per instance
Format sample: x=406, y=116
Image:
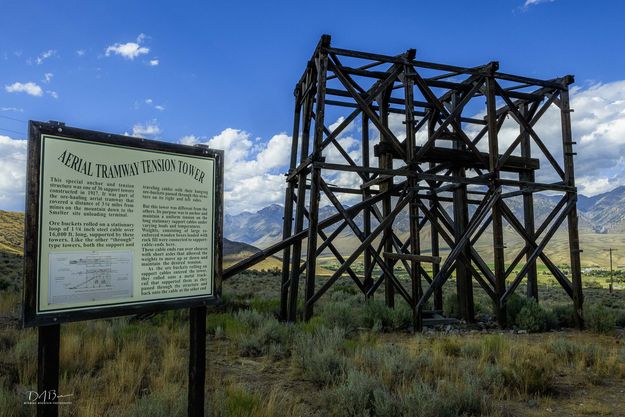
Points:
x=48, y=348
x=197, y=361
x=411, y=257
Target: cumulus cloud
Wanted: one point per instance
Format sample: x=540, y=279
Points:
x=12, y=173
x=52, y=93
x=254, y=172
x=29, y=88
x=45, y=55
x=153, y=62
x=149, y=128
x=128, y=50
x=47, y=77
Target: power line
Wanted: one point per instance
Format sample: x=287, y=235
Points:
x=13, y=118
x=12, y=131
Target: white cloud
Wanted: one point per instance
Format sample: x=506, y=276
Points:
x=29, y=88
x=45, y=55
x=47, y=77
x=52, y=94
x=81, y=52
x=154, y=62
x=151, y=103
x=149, y=128
x=529, y=3
x=12, y=173
x=189, y=140
x=128, y=50
x=15, y=109
x=254, y=172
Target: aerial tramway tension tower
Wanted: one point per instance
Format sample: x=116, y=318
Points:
x=453, y=167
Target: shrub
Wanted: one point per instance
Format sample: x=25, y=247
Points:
x=340, y=314
x=359, y=395
x=534, y=318
x=319, y=355
x=600, y=319
x=462, y=398
x=449, y=346
x=269, y=336
x=564, y=349
x=392, y=364
x=493, y=346
x=514, y=305
x=620, y=319
x=564, y=315
x=531, y=372
x=450, y=305
x=449, y=399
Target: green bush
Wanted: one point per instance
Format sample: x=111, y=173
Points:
x=620, y=319
x=530, y=374
x=376, y=315
x=393, y=364
x=319, y=355
x=361, y=394
x=340, y=313
x=268, y=337
x=534, y=318
x=514, y=305
x=600, y=319
x=564, y=315
x=450, y=305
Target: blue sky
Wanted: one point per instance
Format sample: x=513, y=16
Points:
x=224, y=72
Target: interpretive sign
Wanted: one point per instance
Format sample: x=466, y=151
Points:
x=118, y=225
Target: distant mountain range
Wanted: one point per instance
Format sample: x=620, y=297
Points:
x=600, y=214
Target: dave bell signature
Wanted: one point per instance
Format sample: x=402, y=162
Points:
x=47, y=397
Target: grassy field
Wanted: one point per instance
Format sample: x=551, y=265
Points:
x=354, y=358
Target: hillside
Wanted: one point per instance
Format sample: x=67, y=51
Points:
x=601, y=223
x=12, y=247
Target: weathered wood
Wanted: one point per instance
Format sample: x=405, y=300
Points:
x=414, y=257
x=287, y=218
x=569, y=178
x=197, y=361
x=497, y=224
x=48, y=348
x=375, y=86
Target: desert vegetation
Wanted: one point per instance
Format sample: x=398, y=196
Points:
x=354, y=358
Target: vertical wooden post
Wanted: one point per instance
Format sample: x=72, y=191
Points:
x=313, y=220
x=569, y=174
x=493, y=150
x=197, y=361
x=301, y=194
x=528, y=208
x=48, y=347
x=385, y=161
x=288, y=207
x=366, y=212
x=464, y=285
x=413, y=208
x=434, y=238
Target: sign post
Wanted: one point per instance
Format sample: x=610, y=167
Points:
x=116, y=226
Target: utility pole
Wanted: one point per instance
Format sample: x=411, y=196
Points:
x=611, y=270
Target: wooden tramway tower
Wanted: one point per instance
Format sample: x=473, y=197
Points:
x=449, y=156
